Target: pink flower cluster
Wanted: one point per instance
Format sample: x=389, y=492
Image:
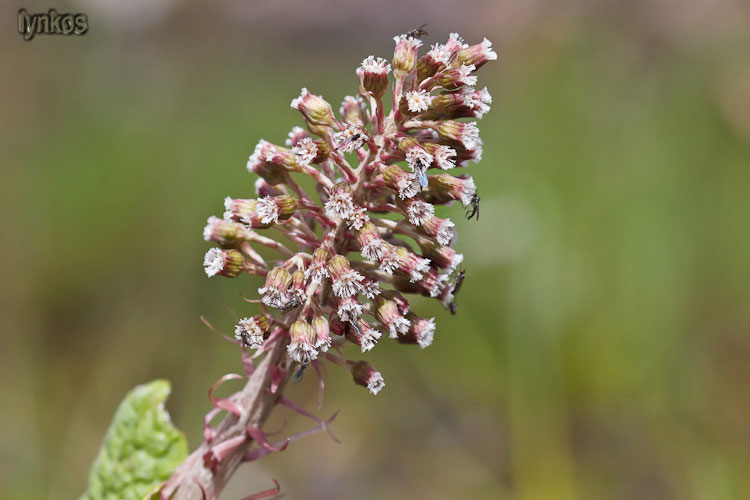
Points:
x=367, y=236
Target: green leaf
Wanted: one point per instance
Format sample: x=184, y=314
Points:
x=141, y=448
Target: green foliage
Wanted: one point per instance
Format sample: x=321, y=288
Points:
x=141, y=449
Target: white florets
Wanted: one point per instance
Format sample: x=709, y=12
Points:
x=373, y=65
x=420, y=212
x=456, y=38
x=423, y=265
x=446, y=233
x=358, y=218
x=389, y=261
x=273, y=297
x=295, y=135
x=296, y=102
x=350, y=311
x=418, y=158
x=440, y=53
x=213, y=262
x=490, y=54
x=445, y=157
x=411, y=43
x=351, y=138
x=302, y=352
x=316, y=272
x=248, y=332
x=426, y=333
x=470, y=135
x=368, y=338
x=375, y=383
x=465, y=75
x=398, y=325
x=267, y=210
x=418, y=100
x=468, y=189
x=371, y=289
x=209, y=229
x=305, y=151
x=408, y=186
x=340, y=204
x=347, y=284
x=374, y=249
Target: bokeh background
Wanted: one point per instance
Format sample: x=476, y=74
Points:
x=602, y=344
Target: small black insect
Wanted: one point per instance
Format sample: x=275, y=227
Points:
x=417, y=32
x=453, y=307
x=474, y=210
x=293, y=302
x=356, y=327
x=348, y=140
x=299, y=373
x=460, y=275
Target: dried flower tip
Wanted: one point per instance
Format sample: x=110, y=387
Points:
x=276, y=291
x=315, y=109
x=405, y=55
x=301, y=347
x=476, y=55
x=250, y=331
x=225, y=233
x=373, y=76
x=319, y=267
x=417, y=101
x=366, y=376
x=349, y=309
x=441, y=229
x=340, y=203
x=322, y=337
x=346, y=281
x=227, y=263
x=351, y=138
x=274, y=208
x=386, y=311
x=352, y=111
x=421, y=331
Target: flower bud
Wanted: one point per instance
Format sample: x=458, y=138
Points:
x=441, y=229
x=225, y=233
x=405, y=55
x=340, y=202
x=250, y=331
x=373, y=76
x=441, y=256
x=244, y=211
x=269, y=163
x=371, y=243
x=445, y=187
x=411, y=264
x=297, y=290
x=359, y=332
x=227, y=263
x=476, y=55
x=465, y=133
x=421, y=331
x=366, y=376
x=346, y=281
x=319, y=267
x=316, y=110
x=387, y=312
x=276, y=291
x=271, y=209
x=452, y=78
x=431, y=284
x=352, y=111
x=433, y=61
x=301, y=347
x=321, y=329
x=263, y=188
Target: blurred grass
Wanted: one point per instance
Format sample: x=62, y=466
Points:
x=600, y=350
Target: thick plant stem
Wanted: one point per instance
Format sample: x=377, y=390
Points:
x=256, y=402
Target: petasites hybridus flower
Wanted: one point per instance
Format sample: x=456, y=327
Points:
x=339, y=260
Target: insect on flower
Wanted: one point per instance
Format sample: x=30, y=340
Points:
x=418, y=32
x=474, y=210
x=299, y=373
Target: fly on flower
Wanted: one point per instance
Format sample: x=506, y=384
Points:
x=418, y=32
x=299, y=373
x=474, y=204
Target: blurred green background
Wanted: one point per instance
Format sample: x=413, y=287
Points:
x=602, y=345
